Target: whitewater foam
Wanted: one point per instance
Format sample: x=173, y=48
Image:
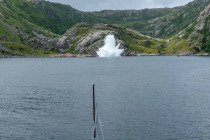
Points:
x=110, y=49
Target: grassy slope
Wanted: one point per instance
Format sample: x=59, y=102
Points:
x=52, y=16
x=137, y=43
x=15, y=33
x=133, y=41
x=24, y=16
x=191, y=39
x=134, y=19
x=169, y=21
x=58, y=17
x=206, y=38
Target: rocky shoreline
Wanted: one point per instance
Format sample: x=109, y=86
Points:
x=68, y=55
x=130, y=54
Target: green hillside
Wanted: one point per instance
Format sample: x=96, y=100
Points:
x=161, y=22
x=195, y=38
x=41, y=28
x=55, y=17
x=19, y=36
x=86, y=38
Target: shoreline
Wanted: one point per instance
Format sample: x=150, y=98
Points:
x=86, y=56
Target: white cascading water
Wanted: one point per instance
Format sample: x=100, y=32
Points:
x=110, y=49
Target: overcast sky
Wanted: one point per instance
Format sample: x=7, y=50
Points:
x=97, y=5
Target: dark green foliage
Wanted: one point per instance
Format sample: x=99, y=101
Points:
x=58, y=17
x=169, y=21
x=137, y=43
x=190, y=29
x=206, y=37
x=22, y=17
x=17, y=47
x=52, y=16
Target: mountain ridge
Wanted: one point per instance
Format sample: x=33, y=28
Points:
x=39, y=28
x=159, y=22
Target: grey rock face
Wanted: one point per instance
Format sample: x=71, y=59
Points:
x=90, y=39
x=42, y=41
x=195, y=38
x=1, y=54
x=1, y=15
x=88, y=43
x=200, y=26
x=205, y=13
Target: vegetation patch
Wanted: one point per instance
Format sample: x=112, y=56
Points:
x=18, y=47
x=206, y=37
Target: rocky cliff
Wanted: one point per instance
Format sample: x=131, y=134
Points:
x=199, y=39
x=85, y=39
x=194, y=38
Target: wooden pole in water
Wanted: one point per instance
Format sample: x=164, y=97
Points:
x=94, y=113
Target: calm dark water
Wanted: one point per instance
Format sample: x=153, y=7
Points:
x=139, y=98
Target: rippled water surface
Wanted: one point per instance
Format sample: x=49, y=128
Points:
x=139, y=98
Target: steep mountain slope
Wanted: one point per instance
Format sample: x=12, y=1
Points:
x=20, y=37
x=162, y=22
x=32, y=28
x=200, y=37
x=193, y=39
x=52, y=16
x=86, y=39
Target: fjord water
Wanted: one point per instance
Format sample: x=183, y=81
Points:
x=139, y=98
